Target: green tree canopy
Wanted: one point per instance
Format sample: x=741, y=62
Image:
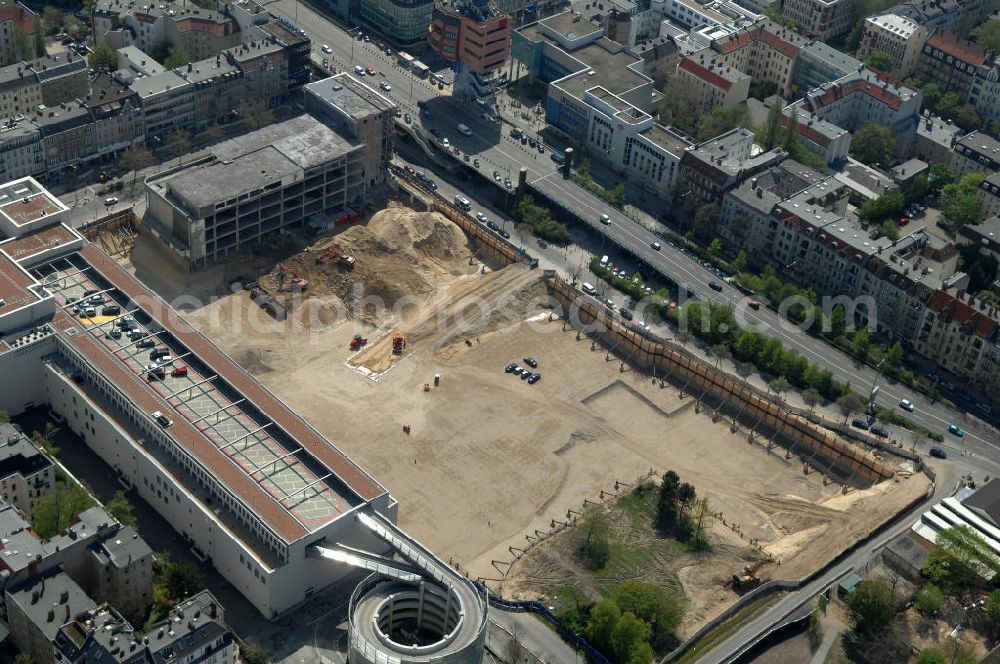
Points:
x=55, y=510
x=988, y=35
x=959, y=203
x=722, y=119
x=176, y=58
x=121, y=509
x=872, y=607
x=103, y=57
x=880, y=61
x=929, y=599
x=873, y=144
x=960, y=560
x=662, y=609
x=183, y=580
x=593, y=531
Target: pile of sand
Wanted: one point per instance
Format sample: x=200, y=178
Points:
x=398, y=253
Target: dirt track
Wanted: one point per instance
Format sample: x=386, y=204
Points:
x=491, y=458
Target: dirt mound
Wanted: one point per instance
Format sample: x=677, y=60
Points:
x=398, y=254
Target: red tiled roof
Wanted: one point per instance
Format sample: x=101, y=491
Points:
x=735, y=42
x=33, y=243
x=352, y=475
x=961, y=312
x=14, y=283
x=779, y=44
x=705, y=74
x=958, y=48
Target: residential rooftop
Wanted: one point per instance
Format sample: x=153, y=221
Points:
x=350, y=96
x=18, y=454
x=150, y=86
x=50, y=601
x=25, y=201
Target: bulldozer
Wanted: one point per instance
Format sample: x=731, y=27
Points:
x=358, y=341
x=398, y=343
x=748, y=579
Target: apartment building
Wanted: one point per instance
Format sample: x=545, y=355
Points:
x=474, y=33
x=21, y=151
x=866, y=97
x=256, y=185
x=24, y=86
x=820, y=19
x=824, y=139
x=899, y=37
x=767, y=52
x=953, y=15
x=26, y=473
x=356, y=112
x=818, y=63
x=950, y=62
x=989, y=197
x=14, y=17
x=976, y=152
x=710, y=169
x=985, y=235
x=714, y=83
x=181, y=24
x=934, y=139
x=984, y=94
x=960, y=334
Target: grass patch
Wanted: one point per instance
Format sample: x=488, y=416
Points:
x=728, y=628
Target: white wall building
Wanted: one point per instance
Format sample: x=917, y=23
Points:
x=899, y=37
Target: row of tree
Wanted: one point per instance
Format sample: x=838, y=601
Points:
x=680, y=513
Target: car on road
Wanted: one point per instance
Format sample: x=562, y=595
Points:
x=956, y=430
x=481, y=218
x=531, y=362
x=880, y=432
x=370, y=70
x=385, y=85
x=475, y=162
x=407, y=118
x=504, y=234
x=110, y=201
x=938, y=453
x=558, y=158
x=534, y=378
x=906, y=404
x=496, y=175
x=860, y=423
x=655, y=246
x=541, y=148
x=325, y=49
x=606, y=220
x=409, y=169
x=625, y=313
x=715, y=286
x=753, y=304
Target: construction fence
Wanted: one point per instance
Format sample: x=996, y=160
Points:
x=701, y=380
x=115, y=232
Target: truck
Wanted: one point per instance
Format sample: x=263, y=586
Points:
x=419, y=68
x=464, y=130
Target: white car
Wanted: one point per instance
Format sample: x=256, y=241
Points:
x=110, y=201
x=385, y=86
x=606, y=220
x=906, y=404
x=326, y=49
x=359, y=70
x=480, y=217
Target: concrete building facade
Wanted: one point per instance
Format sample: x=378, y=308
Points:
x=26, y=473
x=899, y=37
x=473, y=32
x=950, y=62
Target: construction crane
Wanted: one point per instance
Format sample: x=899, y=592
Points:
x=298, y=283
x=748, y=579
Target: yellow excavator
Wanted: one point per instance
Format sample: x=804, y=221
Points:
x=748, y=579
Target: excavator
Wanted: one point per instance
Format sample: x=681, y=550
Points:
x=334, y=254
x=748, y=579
x=298, y=283
x=398, y=343
x=358, y=342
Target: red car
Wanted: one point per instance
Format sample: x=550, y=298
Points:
x=409, y=169
x=179, y=371
x=904, y=221
x=370, y=71
x=753, y=304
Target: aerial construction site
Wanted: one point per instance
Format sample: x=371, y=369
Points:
x=394, y=343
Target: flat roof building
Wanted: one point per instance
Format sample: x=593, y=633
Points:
x=26, y=474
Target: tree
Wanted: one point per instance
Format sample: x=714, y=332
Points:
x=968, y=118
x=628, y=634
x=680, y=107
x=714, y=248
x=988, y=35
x=929, y=599
x=103, y=57
x=993, y=609
x=780, y=385
x=932, y=94
x=849, y=403
x=873, y=144
x=872, y=607
x=861, y=342
x=177, y=58
x=706, y=220
x=959, y=203
x=738, y=264
x=604, y=616
x=47, y=439
x=23, y=658
x=74, y=27
x=958, y=560
x=208, y=4
x=121, y=509
x=257, y=113
x=880, y=61
x=744, y=369
x=180, y=143
x=770, y=134
x=52, y=19
x=931, y=656
x=254, y=655
x=39, y=37
x=662, y=609
x=940, y=175
x=160, y=51
x=593, y=529
x=4, y=417
x=699, y=515
x=722, y=119
x=894, y=355
x=721, y=352
x=136, y=158
x=668, y=511
x=811, y=397
x=182, y=579
x=56, y=509
x=948, y=104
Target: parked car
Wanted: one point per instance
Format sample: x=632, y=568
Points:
x=385, y=85
x=370, y=71
x=481, y=218
x=880, y=432
x=558, y=158
x=625, y=313
x=906, y=404
x=753, y=304
x=534, y=378
x=510, y=368
x=938, y=453
x=325, y=48
x=110, y=201
x=860, y=423
x=179, y=371
x=407, y=118
x=531, y=362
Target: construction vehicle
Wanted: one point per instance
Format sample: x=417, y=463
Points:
x=398, y=343
x=349, y=216
x=748, y=579
x=358, y=341
x=333, y=254
x=298, y=283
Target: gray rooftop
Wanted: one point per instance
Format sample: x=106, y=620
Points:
x=831, y=56
x=667, y=139
x=909, y=168
x=18, y=454
x=41, y=68
x=123, y=547
x=864, y=179
x=982, y=144
x=251, y=161
x=190, y=626
x=249, y=50
x=151, y=86
x=208, y=70
x=53, y=119
x=50, y=601
x=937, y=130
x=570, y=25
x=611, y=70
x=350, y=96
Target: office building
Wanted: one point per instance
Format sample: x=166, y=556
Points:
x=820, y=19
x=402, y=23
x=473, y=33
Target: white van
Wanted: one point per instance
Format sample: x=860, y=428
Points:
x=359, y=70
x=604, y=261
x=463, y=203
x=464, y=130
x=588, y=289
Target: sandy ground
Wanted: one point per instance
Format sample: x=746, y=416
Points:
x=489, y=457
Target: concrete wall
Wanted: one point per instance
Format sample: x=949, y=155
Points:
x=20, y=388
